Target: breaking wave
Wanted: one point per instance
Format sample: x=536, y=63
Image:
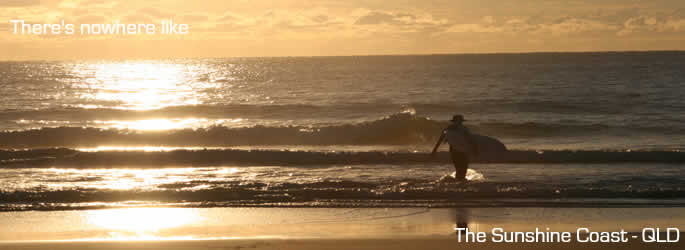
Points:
x=397, y=129
x=296, y=111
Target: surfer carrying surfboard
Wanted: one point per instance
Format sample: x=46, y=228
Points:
x=461, y=145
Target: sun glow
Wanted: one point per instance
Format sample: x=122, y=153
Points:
x=142, y=148
x=140, y=85
x=167, y=124
x=143, y=222
x=157, y=124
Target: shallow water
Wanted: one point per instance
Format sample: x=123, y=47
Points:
x=428, y=185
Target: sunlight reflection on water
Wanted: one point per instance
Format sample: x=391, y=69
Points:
x=141, y=85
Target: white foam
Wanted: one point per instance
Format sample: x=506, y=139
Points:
x=471, y=175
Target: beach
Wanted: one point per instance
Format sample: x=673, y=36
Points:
x=326, y=228
x=395, y=244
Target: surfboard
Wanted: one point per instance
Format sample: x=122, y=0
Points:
x=489, y=148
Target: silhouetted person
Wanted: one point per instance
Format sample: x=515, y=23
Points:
x=461, y=144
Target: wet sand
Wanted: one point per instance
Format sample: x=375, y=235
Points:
x=307, y=244
x=320, y=228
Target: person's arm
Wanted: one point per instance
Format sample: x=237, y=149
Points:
x=437, y=145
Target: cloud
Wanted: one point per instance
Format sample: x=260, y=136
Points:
x=397, y=19
x=274, y=23
x=572, y=25
x=395, y=23
x=652, y=24
x=293, y=27
x=145, y=15
x=486, y=25
x=534, y=26
x=376, y=18
x=152, y=12
x=228, y=17
x=192, y=18
x=473, y=28
x=18, y=3
x=675, y=25
x=305, y=21
x=320, y=18
x=90, y=19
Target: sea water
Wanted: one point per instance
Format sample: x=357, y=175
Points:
x=585, y=129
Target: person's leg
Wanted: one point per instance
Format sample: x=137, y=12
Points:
x=464, y=166
x=461, y=164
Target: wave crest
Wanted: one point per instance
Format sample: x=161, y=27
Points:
x=399, y=129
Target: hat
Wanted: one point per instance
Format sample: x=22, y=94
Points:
x=457, y=118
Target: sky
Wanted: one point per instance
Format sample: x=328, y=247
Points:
x=240, y=28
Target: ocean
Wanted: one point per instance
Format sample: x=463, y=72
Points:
x=582, y=129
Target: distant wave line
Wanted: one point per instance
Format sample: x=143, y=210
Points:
x=397, y=129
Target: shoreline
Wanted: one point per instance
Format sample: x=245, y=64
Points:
x=579, y=203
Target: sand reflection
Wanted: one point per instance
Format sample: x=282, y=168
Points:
x=141, y=223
